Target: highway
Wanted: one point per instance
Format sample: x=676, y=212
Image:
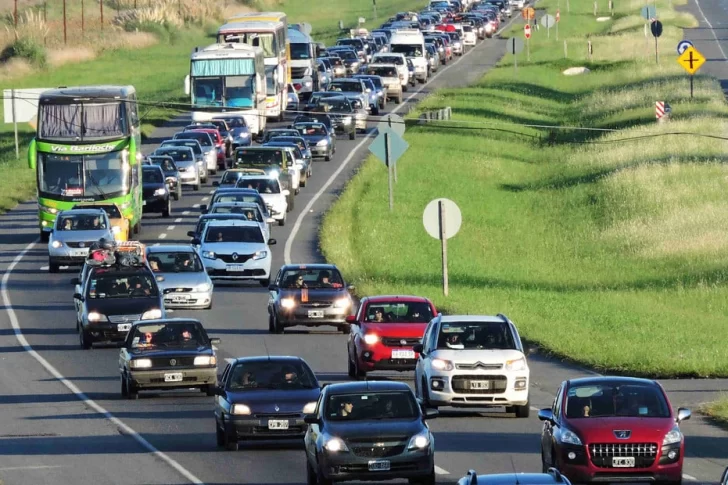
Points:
x=62, y=419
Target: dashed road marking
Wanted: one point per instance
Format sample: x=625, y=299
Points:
x=162, y=236
x=186, y=213
x=45, y=268
x=196, y=206
x=170, y=228
x=203, y=200
x=31, y=467
x=178, y=220
x=211, y=192
x=689, y=477
x=441, y=471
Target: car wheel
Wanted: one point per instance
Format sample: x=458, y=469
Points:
x=165, y=212
x=209, y=390
x=44, y=236
x=352, y=135
x=83, y=339
x=176, y=195
x=132, y=391
x=304, y=181
x=345, y=329
x=358, y=373
x=327, y=158
x=231, y=444
x=544, y=466
x=53, y=267
x=220, y=435
x=311, y=478
x=277, y=328
x=124, y=389
x=196, y=187
x=271, y=324
x=291, y=203
x=405, y=88
x=282, y=222
x=352, y=369
x=426, y=394
x=523, y=411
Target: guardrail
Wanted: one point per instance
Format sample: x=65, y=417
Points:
x=436, y=115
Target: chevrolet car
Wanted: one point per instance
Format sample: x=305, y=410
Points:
x=311, y=295
x=383, y=332
x=372, y=430
x=154, y=191
x=74, y=232
x=264, y=398
x=209, y=149
x=173, y=353
x=180, y=276
x=319, y=139
x=473, y=361
x=616, y=429
x=119, y=224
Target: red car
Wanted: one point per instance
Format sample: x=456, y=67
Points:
x=383, y=332
x=613, y=429
x=219, y=142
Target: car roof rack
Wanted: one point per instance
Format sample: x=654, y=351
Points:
x=108, y=254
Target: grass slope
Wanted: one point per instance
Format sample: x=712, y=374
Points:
x=717, y=411
x=608, y=248
x=158, y=73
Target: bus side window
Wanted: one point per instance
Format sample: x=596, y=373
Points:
x=135, y=176
x=133, y=111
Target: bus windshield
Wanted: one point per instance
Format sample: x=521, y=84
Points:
x=101, y=175
x=234, y=91
x=82, y=120
x=267, y=42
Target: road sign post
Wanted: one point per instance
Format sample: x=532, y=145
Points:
x=390, y=169
x=514, y=46
x=15, y=127
x=558, y=17
x=442, y=220
x=656, y=28
x=548, y=21
x=389, y=146
x=691, y=60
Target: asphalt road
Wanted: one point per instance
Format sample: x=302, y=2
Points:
x=62, y=419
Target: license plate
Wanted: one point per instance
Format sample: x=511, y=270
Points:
x=176, y=377
x=79, y=252
x=479, y=385
x=123, y=327
x=623, y=462
x=180, y=298
x=403, y=354
x=378, y=465
x=235, y=267
x=315, y=314
x=278, y=424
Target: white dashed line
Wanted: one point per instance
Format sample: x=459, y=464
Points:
x=229, y=360
x=44, y=268
x=178, y=220
x=204, y=199
x=31, y=467
x=186, y=213
x=440, y=471
x=534, y=409
x=157, y=244
x=689, y=477
x=170, y=228
x=122, y=427
x=196, y=206
x=162, y=236
x=211, y=192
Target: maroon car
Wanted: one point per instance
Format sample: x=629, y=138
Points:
x=613, y=429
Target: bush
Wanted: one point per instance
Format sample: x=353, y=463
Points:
x=165, y=31
x=27, y=49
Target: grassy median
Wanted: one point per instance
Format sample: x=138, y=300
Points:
x=605, y=247
x=158, y=73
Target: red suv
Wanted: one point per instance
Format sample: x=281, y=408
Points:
x=383, y=332
x=613, y=429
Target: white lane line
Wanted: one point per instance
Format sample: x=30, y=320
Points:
x=306, y=210
x=31, y=467
x=689, y=477
x=196, y=206
x=229, y=360
x=170, y=228
x=178, y=220
x=157, y=244
x=534, y=408
x=186, y=213
x=204, y=199
x=211, y=192
x=123, y=428
x=162, y=236
x=441, y=471
x=712, y=30
x=44, y=268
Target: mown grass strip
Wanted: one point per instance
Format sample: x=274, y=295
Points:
x=607, y=249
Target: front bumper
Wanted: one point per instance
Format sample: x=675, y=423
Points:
x=257, y=427
x=249, y=270
x=154, y=379
x=470, y=40
x=502, y=388
x=318, y=151
x=196, y=299
x=457, y=49
x=346, y=466
x=312, y=316
x=105, y=332
x=421, y=72
x=67, y=256
x=189, y=177
x=379, y=357
x=306, y=85
x=157, y=203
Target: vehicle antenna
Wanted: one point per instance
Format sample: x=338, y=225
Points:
x=267, y=352
x=515, y=472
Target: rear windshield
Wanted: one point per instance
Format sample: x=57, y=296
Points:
x=204, y=139
x=152, y=177
x=196, y=148
x=259, y=157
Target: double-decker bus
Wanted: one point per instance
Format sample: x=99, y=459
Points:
x=230, y=79
x=268, y=30
x=87, y=148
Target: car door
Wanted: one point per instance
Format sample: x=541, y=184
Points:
x=549, y=429
x=355, y=335
x=314, y=431
x=420, y=367
x=273, y=294
x=220, y=401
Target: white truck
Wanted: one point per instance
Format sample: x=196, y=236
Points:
x=411, y=43
x=304, y=71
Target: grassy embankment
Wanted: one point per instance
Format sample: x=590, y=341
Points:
x=158, y=71
x=717, y=411
x=605, y=248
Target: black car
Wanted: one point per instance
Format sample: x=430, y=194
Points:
x=550, y=477
x=319, y=139
x=274, y=132
x=342, y=114
x=322, y=118
x=171, y=173
x=372, y=430
x=264, y=398
x=310, y=295
x=154, y=190
x=168, y=354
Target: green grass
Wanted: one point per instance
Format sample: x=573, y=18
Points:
x=609, y=253
x=158, y=73
x=717, y=411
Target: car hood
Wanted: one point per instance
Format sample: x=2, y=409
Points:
x=77, y=236
x=601, y=430
x=395, y=329
x=265, y=401
x=234, y=247
x=123, y=306
x=315, y=294
x=477, y=355
x=382, y=430
x=182, y=280
x=172, y=352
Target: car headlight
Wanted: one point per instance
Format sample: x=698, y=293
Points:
x=115, y=229
x=322, y=143
x=140, y=363
x=152, y=314
x=204, y=287
x=208, y=254
x=569, y=437
x=371, y=339
x=288, y=303
x=244, y=135
x=440, y=364
x=335, y=444
x=205, y=360
x=516, y=364
x=674, y=436
x=95, y=317
x=342, y=303
x=347, y=120
x=419, y=441
x=56, y=244
x=241, y=409
x=260, y=255
x=309, y=408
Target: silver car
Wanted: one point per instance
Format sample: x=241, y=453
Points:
x=184, y=158
x=181, y=276
x=199, y=154
x=72, y=235
x=209, y=150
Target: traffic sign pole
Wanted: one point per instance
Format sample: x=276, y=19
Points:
x=443, y=240
x=394, y=169
x=691, y=86
x=389, y=171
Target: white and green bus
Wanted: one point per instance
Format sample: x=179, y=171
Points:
x=87, y=148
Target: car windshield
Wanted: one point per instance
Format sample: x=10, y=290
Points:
x=397, y=60
x=80, y=222
x=175, y=262
x=203, y=138
x=230, y=178
x=398, y=312
x=238, y=122
x=235, y=198
x=266, y=375
x=105, y=285
x=165, y=164
x=196, y=148
x=339, y=105
x=168, y=335
x=234, y=234
x=152, y=177
x=312, y=278
x=231, y=209
x=609, y=399
x=300, y=143
x=476, y=335
x=409, y=50
x=259, y=157
x=383, y=71
x=347, y=55
x=311, y=130
x=111, y=210
x=262, y=185
x=371, y=406
x=375, y=81
x=346, y=86
x=335, y=61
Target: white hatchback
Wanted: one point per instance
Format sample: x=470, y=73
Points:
x=270, y=189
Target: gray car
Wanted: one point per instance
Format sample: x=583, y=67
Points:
x=184, y=158
x=209, y=149
x=181, y=276
x=72, y=235
x=197, y=149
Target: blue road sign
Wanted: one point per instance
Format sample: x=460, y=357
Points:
x=649, y=12
x=397, y=146
x=683, y=45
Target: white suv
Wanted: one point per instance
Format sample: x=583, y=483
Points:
x=473, y=361
x=270, y=189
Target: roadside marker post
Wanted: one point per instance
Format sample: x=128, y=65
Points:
x=393, y=123
x=558, y=17
x=442, y=220
x=656, y=28
x=527, y=33
x=514, y=46
x=389, y=146
x=691, y=60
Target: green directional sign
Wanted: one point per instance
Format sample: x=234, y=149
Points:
x=397, y=146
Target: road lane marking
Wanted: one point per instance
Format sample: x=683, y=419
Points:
x=123, y=428
x=689, y=477
x=306, y=210
x=186, y=213
x=162, y=236
x=178, y=220
x=31, y=467
x=203, y=200
x=211, y=192
x=535, y=409
x=170, y=228
x=196, y=206
x=441, y=471
x=712, y=30
x=44, y=268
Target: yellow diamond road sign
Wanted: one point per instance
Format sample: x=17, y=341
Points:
x=691, y=60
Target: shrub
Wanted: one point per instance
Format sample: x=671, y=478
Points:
x=28, y=49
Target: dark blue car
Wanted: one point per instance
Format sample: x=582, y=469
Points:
x=264, y=398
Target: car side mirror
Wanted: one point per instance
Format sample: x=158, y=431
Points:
x=273, y=287
x=431, y=413
x=546, y=415
x=311, y=419
x=286, y=192
x=215, y=340
x=369, y=90
x=191, y=234
x=418, y=348
x=216, y=184
x=78, y=296
x=351, y=319
x=196, y=241
x=271, y=242
x=683, y=414
x=75, y=281
x=203, y=208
